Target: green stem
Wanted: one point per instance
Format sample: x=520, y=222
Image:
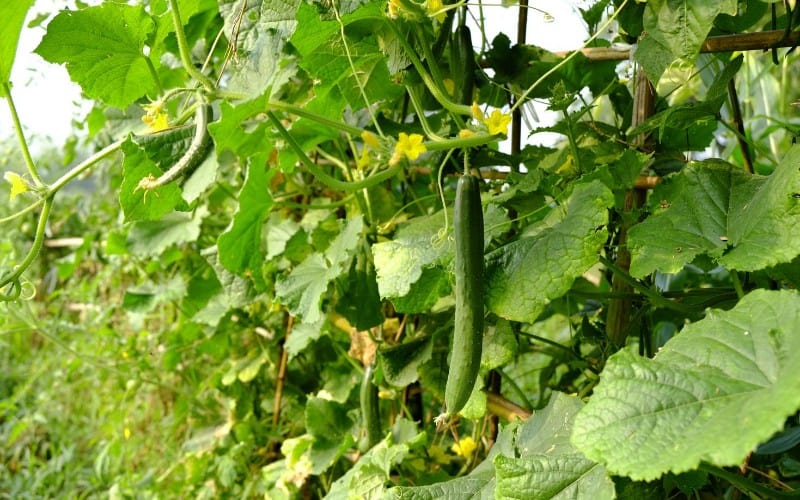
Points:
x=412, y=94
x=437, y=94
x=572, y=143
x=78, y=169
x=326, y=179
x=288, y=108
x=745, y=484
x=13, y=278
x=434, y=69
x=524, y=96
x=737, y=283
x=515, y=388
x=183, y=48
x=651, y=295
x=23, y=144
x=154, y=74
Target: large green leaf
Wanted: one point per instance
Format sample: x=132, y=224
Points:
x=303, y=288
x=523, y=276
x=674, y=30
x=240, y=247
x=13, y=15
x=332, y=60
x=532, y=460
x=144, y=204
x=743, y=221
x=419, y=245
x=712, y=393
x=259, y=30
x=103, y=49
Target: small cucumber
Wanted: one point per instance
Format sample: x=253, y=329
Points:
x=370, y=409
x=166, y=144
x=462, y=64
x=465, y=360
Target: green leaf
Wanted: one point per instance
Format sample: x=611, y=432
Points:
x=368, y=475
x=523, y=276
x=418, y=245
x=400, y=362
x=742, y=221
x=303, y=288
x=259, y=30
x=103, y=49
x=144, y=204
x=240, y=245
x=539, y=447
x=325, y=57
x=499, y=345
x=360, y=303
x=237, y=132
x=13, y=16
x=433, y=284
x=674, y=30
x=151, y=238
x=303, y=334
x=712, y=393
x=562, y=477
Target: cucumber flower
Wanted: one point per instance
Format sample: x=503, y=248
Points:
x=435, y=9
x=464, y=447
x=18, y=184
x=155, y=117
x=409, y=146
x=497, y=123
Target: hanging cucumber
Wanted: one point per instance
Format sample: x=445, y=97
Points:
x=468, y=333
x=462, y=64
x=190, y=159
x=370, y=409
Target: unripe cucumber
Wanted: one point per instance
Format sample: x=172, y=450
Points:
x=370, y=409
x=462, y=64
x=465, y=360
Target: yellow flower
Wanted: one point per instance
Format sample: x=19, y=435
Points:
x=464, y=447
x=18, y=184
x=498, y=122
x=364, y=161
x=435, y=9
x=370, y=139
x=465, y=132
x=126, y=433
x=477, y=113
x=410, y=146
x=155, y=117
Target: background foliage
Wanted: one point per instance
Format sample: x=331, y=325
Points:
x=276, y=320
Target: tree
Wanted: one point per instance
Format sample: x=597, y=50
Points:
x=268, y=257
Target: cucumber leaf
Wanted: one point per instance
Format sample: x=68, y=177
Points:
x=713, y=392
x=742, y=221
x=103, y=50
x=13, y=15
x=523, y=276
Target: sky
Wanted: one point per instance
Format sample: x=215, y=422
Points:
x=47, y=101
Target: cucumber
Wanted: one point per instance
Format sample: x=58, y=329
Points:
x=370, y=409
x=462, y=64
x=465, y=360
x=163, y=146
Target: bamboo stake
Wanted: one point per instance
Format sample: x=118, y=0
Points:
x=762, y=40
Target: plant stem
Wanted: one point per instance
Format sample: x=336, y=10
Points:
x=289, y=108
x=437, y=94
x=326, y=179
x=745, y=484
x=522, y=98
x=183, y=48
x=78, y=169
x=23, y=144
x=651, y=295
x=737, y=283
x=13, y=278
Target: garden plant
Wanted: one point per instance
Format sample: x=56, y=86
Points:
x=365, y=249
